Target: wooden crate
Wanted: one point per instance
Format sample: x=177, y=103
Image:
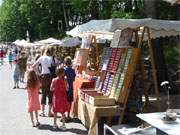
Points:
x=99, y=100
x=88, y=95
x=83, y=92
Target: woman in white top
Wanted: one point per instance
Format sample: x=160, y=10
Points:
x=46, y=60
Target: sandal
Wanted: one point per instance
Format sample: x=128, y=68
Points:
x=68, y=119
x=50, y=115
x=63, y=127
x=38, y=124
x=55, y=126
x=42, y=114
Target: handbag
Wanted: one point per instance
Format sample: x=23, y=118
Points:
x=52, y=68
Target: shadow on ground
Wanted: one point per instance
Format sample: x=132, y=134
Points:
x=77, y=131
x=72, y=130
x=48, y=127
x=74, y=120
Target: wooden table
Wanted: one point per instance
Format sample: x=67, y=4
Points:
x=154, y=119
x=78, y=84
x=116, y=130
x=90, y=115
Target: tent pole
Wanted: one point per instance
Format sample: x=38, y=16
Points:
x=154, y=71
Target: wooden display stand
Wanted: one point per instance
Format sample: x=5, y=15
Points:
x=154, y=75
x=130, y=79
x=80, y=59
x=126, y=73
x=93, y=54
x=117, y=78
x=118, y=86
x=87, y=58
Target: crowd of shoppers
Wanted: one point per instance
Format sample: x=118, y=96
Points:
x=45, y=77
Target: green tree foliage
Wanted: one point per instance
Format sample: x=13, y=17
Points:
x=39, y=17
x=128, y=9
x=45, y=18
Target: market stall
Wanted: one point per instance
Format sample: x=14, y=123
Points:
x=84, y=79
x=114, y=78
x=118, y=63
x=64, y=47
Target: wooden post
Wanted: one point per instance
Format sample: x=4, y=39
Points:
x=155, y=84
x=139, y=42
x=144, y=84
x=142, y=68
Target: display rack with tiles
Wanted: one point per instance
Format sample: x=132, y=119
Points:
x=105, y=58
x=114, y=80
x=117, y=76
x=118, y=65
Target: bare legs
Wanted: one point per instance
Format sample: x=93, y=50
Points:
x=37, y=119
x=43, y=108
x=68, y=114
x=32, y=118
x=63, y=121
x=50, y=114
x=55, y=119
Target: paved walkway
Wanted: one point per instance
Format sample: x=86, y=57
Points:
x=14, y=119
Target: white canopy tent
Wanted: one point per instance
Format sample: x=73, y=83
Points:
x=49, y=41
x=173, y=1
x=153, y=28
x=16, y=42
x=25, y=43
x=68, y=42
x=21, y=42
x=106, y=28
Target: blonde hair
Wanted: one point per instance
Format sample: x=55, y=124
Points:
x=68, y=61
x=49, y=51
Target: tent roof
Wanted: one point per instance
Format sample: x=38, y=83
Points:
x=25, y=43
x=158, y=27
x=49, y=41
x=68, y=42
x=173, y=1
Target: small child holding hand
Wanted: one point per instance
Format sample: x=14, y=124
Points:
x=59, y=103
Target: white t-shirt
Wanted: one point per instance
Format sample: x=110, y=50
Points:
x=45, y=62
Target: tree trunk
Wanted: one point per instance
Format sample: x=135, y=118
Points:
x=94, y=9
x=150, y=8
x=65, y=16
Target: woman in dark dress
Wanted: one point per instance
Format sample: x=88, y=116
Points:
x=70, y=75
